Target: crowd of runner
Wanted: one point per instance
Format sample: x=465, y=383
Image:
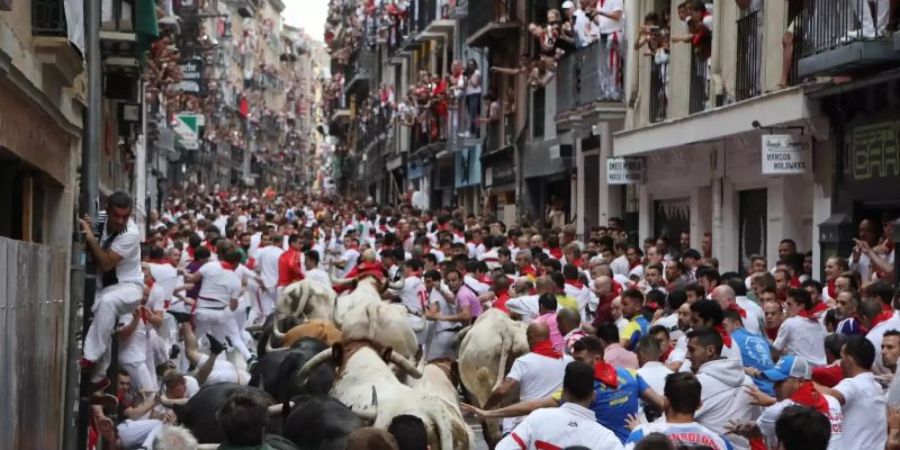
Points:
x=636, y=346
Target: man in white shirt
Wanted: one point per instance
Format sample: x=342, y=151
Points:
x=861, y=397
x=267, y=261
x=573, y=424
x=218, y=296
x=793, y=386
x=652, y=370
x=801, y=334
x=117, y=256
x=536, y=375
x=441, y=337
x=724, y=295
x=412, y=296
x=349, y=258
x=312, y=270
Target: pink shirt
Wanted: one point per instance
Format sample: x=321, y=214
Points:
x=466, y=296
x=555, y=337
x=616, y=355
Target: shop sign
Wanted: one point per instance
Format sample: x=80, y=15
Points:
x=187, y=127
x=785, y=154
x=192, y=76
x=875, y=151
x=624, y=170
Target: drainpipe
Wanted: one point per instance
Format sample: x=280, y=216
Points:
x=83, y=281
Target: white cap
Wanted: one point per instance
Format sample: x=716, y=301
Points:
x=568, y=4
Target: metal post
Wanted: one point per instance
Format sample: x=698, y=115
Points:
x=88, y=204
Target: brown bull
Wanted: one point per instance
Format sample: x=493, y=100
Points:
x=323, y=330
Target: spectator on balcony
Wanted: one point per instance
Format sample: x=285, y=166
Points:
x=536, y=71
x=610, y=19
x=578, y=22
x=699, y=25
x=492, y=118
x=473, y=96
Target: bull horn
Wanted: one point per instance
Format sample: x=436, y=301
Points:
x=276, y=333
x=254, y=328
x=304, y=299
x=170, y=402
x=397, y=285
x=274, y=410
x=368, y=416
x=403, y=363
x=313, y=362
x=270, y=349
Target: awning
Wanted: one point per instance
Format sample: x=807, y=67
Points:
x=785, y=106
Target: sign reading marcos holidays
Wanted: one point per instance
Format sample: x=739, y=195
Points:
x=785, y=154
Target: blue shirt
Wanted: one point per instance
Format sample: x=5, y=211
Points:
x=635, y=328
x=612, y=406
x=755, y=353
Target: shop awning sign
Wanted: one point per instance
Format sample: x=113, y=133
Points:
x=785, y=154
x=187, y=127
x=624, y=170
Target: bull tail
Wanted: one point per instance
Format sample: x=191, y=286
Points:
x=501, y=369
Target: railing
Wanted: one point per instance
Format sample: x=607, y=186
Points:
x=699, y=71
x=48, y=18
x=749, y=56
x=484, y=12
x=590, y=74
x=834, y=23
x=659, y=98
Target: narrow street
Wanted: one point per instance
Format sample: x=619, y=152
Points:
x=291, y=224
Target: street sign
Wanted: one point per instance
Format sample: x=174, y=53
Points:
x=785, y=154
x=624, y=170
x=187, y=127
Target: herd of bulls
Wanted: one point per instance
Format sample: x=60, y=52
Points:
x=329, y=365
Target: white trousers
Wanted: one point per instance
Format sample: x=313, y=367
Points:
x=138, y=434
x=262, y=305
x=222, y=325
x=140, y=373
x=112, y=302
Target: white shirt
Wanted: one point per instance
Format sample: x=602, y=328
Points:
x=755, y=315
x=219, y=286
x=671, y=324
x=413, y=295
x=766, y=422
x=475, y=285
x=166, y=277
x=319, y=276
x=133, y=350
x=268, y=265
x=538, y=376
x=876, y=335
x=683, y=435
x=350, y=258
x=619, y=266
x=655, y=373
x=126, y=244
x=865, y=421
x=804, y=338
x=566, y=426
x=608, y=25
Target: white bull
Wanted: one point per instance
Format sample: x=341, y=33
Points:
x=362, y=315
x=304, y=300
x=436, y=382
x=368, y=386
x=486, y=353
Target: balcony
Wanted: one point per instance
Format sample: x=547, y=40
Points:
x=844, y=37
x=699, y=81
x=51, y=43
x=118, y=41
x=433, y=21
x=748, y=83
x=583, y=79
x=245, y=8
x=359, y=71
x=489, y=21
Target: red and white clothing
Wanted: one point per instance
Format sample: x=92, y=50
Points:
x=803, y=337
x=569, y=425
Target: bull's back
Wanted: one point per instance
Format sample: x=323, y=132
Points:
x=479, y=359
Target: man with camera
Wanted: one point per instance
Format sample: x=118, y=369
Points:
x=117, y=256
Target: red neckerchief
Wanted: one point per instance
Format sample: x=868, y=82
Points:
x=528, y=270
x=486, y=279
x=228, y=266
x=212, y=248
x=577, y=262
x=633, y=265
x=251, y=263
x=500, y=301
x=736, y=307
x=795, y=282
x=605, y=373
x=556, y=252
x=726, y=338
x=807, y=395
x=819, y=308
x=772, y=333
x=665, y=356
x=885, y=314
x=191, y=251
x=809, y=314
x=832, y=289
x=545, y=348
x=577, y=284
